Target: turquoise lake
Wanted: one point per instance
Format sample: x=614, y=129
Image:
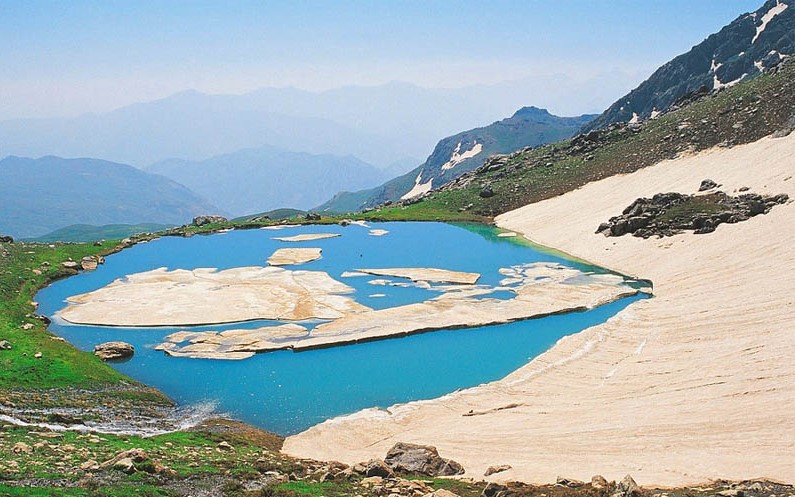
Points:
x=287, y=392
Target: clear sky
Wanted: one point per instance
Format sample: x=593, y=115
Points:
x=70, y=57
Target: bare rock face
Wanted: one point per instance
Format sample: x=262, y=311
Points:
x=627, y=488
x=422, y=459
x=111, y=351
x=202, y=220
x=377, y=467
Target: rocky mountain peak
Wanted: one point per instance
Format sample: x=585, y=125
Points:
x=750, y=45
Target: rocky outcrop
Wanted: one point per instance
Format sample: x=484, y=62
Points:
x=422, y=459
x=752, y=44
x=496, y=469
x=208, y=219
x=667, y=214
x=377, y=467
x=112, y=351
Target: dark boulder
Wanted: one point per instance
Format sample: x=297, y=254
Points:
x=312, y=216
x=423, y=459
x=707, y=184
x=6, y=239
x=203, y=220
x=494, y=490
x=486, y=192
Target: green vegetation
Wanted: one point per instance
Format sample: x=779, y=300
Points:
x=705, y=205
x=90, y=233
x=737, y=115
x=24, y=270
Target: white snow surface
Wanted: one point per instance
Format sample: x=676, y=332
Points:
x=458, y=157
x=419, y=188
x=718, y=85
x=769, y=15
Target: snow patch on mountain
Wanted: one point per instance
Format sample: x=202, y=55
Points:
x=419, y=188
x=718, y=85
x=459, y=157
x=769, y=15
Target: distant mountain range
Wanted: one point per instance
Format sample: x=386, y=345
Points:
x=463, y=152
x=41, y=195
x=379, y=124
x=265, y=178
x=752, y=43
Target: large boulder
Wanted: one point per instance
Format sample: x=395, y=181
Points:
x=377, y=467
x=422, y=459
x=207, y=219
x=111, y=351
x=6, y=239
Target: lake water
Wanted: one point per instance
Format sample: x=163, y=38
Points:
x=286, y=392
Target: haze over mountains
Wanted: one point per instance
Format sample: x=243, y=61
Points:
x=261, y=179
x=379, y=124
x=41, y=195
x=463, y=152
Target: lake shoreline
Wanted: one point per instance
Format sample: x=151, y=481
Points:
x=591, y=403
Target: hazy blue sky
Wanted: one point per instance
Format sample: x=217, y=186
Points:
x=69, y=57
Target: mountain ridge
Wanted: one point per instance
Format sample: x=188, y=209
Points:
x=463, y=152
x=264, y=178
x=50, y=192
x=750, y=45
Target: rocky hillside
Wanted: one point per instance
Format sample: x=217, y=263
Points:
x=463, y=152
x=751, y=44
x=730, y=116
x=45, y=194
x=265, y=178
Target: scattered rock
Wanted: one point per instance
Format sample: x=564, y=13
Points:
x=125, y=465
x=126, y=460
x=89, y=465
x=422, y=459
x=63, y=419
x=312, y=216
x=27, y=326
x=345, y=222
x=598, y=481
x=90, y=262
x=70, y=264
x=38, y=355
x=707, y=184
x=208, y=219
x=6, y=239
x=493, y=490
x=5, y=345
x=627, y=488
x=111, y=351
x=442, y=493
x=496, y=469
x=732, y=492
x=377, y=467
x=486, y=192
x=22, y=448
x=569, y=482
x=225, y=446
